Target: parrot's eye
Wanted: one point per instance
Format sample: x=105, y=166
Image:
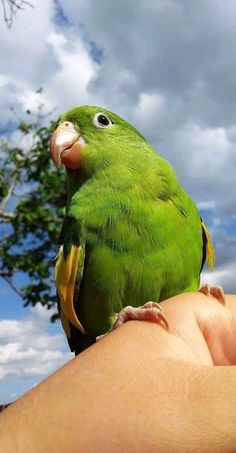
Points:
x=102, y=121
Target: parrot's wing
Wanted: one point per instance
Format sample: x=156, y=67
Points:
x=68, y=275
x=208, y=254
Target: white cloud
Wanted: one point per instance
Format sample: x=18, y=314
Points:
x=223, y=276
x=207, y=205
x=4, y=80
x=150, y=106
x=73, y=71
x=23, y=48
x=33, y=101
x=27, y=349
x=202, y=153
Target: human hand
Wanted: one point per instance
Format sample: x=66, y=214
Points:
x=202, y=331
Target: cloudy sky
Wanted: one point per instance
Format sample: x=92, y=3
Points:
x=167, y=66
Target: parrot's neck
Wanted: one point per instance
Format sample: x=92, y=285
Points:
x=75, y=180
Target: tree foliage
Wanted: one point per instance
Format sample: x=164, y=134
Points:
x=32, y=201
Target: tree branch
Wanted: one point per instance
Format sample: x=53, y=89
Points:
x=7, y=197
x=12, y=285
x=10, y=8
x=6, y=217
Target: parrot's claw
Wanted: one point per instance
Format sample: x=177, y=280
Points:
x=151, y=311
x=215, y=291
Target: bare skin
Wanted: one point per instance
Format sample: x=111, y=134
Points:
x=142, y=388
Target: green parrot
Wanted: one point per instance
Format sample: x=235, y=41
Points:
x=130, y=234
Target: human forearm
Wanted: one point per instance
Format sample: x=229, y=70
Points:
x=130, y=392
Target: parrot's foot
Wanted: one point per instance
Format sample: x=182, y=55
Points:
x=215, y=291
x=151, y=311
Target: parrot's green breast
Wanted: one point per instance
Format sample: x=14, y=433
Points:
x=140, y=233
x=138, y=248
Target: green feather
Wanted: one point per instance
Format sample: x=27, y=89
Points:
x=142, y=233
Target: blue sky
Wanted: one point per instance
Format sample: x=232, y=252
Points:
x=168, y=67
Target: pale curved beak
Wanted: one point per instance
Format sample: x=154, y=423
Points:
x=62, y=140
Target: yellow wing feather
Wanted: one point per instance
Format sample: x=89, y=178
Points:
x=65, y=324
x=210, y=253
x=65, y=275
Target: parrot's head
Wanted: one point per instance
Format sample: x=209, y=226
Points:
x=91, y=138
